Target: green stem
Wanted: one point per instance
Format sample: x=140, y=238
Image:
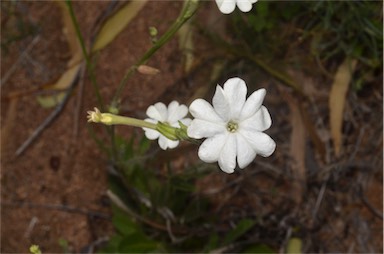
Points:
x=187, y=12
x=86, y=56
x=133, y=122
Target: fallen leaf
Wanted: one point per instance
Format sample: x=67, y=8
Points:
x=147, y=70
x=116, y=23
x=8, y=127
x=297, y=147
x=337, y=98
x=294, y=245
x=51, y=100
x=185, y=35
x=74, y=64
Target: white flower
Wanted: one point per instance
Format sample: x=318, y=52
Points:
x=171, y=115
x=228, y=6
x=233, y=126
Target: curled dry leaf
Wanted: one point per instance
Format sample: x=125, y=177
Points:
x=337, y=98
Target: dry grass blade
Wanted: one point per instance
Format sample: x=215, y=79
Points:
x=337, y=101
x=8, y=126
x=116, y=23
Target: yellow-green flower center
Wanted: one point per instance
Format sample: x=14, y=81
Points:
x=232, y=126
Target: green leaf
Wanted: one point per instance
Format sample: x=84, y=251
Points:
x=138, y=243
x=113, y=244
x=242, y=227
x=212, y=243
x=51, y=100
x=123, y=223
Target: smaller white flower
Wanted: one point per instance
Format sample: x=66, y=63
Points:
x=228, y=6
x=233, y=127
x=171, y=115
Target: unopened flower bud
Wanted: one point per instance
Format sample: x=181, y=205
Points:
x=147, y=70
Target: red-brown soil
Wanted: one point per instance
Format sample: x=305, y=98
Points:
x=57, y=188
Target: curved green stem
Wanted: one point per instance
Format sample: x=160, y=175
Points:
x=86, y=56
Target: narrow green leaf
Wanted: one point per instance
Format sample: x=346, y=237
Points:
x=138, y=243
x=242, y=227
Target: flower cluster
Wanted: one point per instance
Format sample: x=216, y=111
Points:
x=233, y=126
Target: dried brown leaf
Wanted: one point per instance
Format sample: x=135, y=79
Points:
x=74, y=64
x=116, y=23
x=8, y=126
x=148, y=70
x=186, y=44
x=297, y=148
x=337, y=98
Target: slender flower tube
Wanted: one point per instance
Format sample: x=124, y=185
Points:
x=233, y=127
x=167, y=120
x=111, y=119
x=228, y=6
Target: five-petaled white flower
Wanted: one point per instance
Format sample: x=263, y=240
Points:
x=228, y=6
x=233, y=127
x=171, y=115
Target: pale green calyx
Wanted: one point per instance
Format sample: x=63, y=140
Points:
x=167, y=130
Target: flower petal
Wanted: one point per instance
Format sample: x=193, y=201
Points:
x=235, y=90
x=176, y=112
x=244, y=5
x=201, y=109
x=165, y=143
x=260, y=142
x=260, y=121
x=204, y=129
x=227, y=158
x=157, y=112
x=253, y=103
x=226, y=6
x=151, y=134
x=245, y=153
x=209, y=150
x=221, y=104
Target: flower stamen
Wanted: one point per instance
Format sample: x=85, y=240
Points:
x=232, y=127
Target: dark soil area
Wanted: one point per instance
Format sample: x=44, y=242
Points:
x=54, y=193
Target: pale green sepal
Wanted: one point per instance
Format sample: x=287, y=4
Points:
x=167, y=130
